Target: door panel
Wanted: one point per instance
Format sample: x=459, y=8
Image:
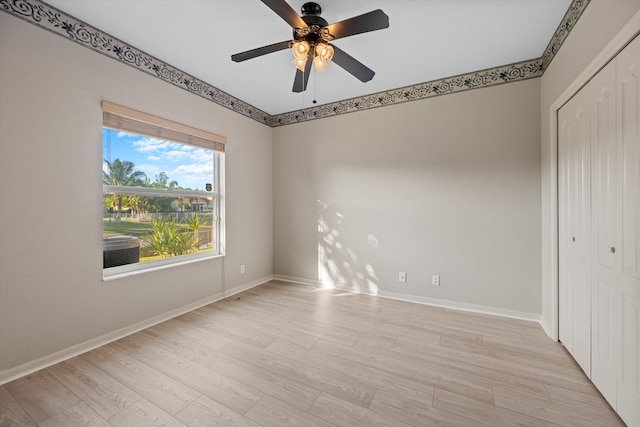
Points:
x=574, y=233
x=604, y=347
x=629, y=95
x=628, y=69
x=580, y=214
x=565, y=298
x=628, y=404
x=566, y=302
x=604, y=170
x=582, y=322
x=580, y=209
x=604, y=213
x=604, y=357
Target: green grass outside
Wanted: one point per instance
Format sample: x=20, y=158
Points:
x=128, y=228
x=140, y=230
x=132, y=228
x=156, y=257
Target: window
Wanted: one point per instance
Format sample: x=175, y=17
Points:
x=161, y=193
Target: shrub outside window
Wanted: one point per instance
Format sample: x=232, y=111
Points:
x=161, y=194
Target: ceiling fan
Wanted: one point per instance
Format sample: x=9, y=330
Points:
x=311, y=41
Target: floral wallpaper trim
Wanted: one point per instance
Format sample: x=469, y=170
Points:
x=51, y=19
x=479, y=79
x=566, y=25
x=58, y=22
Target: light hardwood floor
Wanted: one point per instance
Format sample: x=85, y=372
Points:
x=284, y=354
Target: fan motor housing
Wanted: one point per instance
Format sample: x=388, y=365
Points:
x=311, y=8
x=311, y=15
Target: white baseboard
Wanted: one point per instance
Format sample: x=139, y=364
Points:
x=546, y=326
x=11, y=374
x=298, y=280
x=463, y=306
x=475, y=308
x=241, y=288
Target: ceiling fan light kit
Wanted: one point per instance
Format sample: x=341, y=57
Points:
x=300, y=50
x=311, y=41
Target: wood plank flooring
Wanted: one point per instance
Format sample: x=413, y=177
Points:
x=285, y=354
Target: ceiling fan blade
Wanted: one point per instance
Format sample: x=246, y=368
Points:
x=285, y=12
x=352, y=65
x=372, y=21
x=253, y=53
x=302, y=78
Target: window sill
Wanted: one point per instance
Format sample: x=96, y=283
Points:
x=115, y=275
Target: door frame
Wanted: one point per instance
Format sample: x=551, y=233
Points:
x=628, y=32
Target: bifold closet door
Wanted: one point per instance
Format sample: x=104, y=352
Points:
x=574, y=228
x=599, y=230
x=628, y=278
x=604, y=222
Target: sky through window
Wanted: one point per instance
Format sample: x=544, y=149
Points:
x=191, y=167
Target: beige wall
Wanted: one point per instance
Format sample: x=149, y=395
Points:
x=448, y=186
x=51, y=291
x=600, y=22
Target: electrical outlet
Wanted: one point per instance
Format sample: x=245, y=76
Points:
x=402, y=277
x=435, y=280
x=242, y=269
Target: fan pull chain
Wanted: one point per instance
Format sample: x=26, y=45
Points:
x=304, y=91
x=314, y=87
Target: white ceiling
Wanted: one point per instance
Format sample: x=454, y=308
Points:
x=426, y=40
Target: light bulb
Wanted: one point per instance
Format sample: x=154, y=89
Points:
x=300, y=63
x=318, y=64
x=324, y=51
x=300, y=49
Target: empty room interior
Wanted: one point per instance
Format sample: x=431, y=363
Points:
x=437, y=224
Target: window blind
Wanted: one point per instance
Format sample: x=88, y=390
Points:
x=126, y=119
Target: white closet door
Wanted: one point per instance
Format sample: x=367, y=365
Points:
x=599, y=230
x=628, y=83
x=574, y=192
x=604, y=214
x=566, y=131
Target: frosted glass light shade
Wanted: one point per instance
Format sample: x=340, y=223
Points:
x=324, y=51
x=319, y=65
x=300, y=49
x=300, y=63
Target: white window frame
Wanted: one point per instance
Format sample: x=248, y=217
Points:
x=148, y=125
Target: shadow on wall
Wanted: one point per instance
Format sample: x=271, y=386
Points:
x=339, y=266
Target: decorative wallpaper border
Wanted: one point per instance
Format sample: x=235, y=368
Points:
x=54, y=20
x=566, y=25
x=478, y=79
x=474, y=80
